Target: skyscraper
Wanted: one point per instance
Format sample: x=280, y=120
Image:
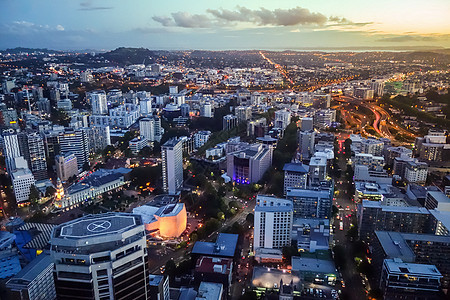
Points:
x=101, y=256
x=36, y=156
x=150, y=128
x=75, y=141
x=273, y=222
x=10, y=148
x=172, y=165
x=99, y=103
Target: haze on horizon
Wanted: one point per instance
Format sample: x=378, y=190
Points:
x=216, y=25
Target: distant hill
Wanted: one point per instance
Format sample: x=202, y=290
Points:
x=31, y=50
x=127, y=56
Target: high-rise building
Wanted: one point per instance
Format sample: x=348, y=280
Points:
x=243, y=113
x=207, y=110
x=201, y=137
x=416, y=172
x=35, y=155
x=11, y=148
x=146, y=106
x=159, y=287
x=374, y=216
x=317, y=169
x=307, y=124
x=98, y=137
x=273, y=222
x=22, y=179
x=372, y=146
x=66, y=165
x=35, y=281
x=249, y=165
x=229, y=122
x=75, y=141
x=172, y=165
x=99, y=103
x=295, y=176
x=311, y=203
x=324, y=117
x=101, y=256
x=306, y=144
x=150, y=128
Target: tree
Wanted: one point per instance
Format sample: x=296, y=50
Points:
x=35, y=195
x=170, y=268
x=50, y=191
x=86, y=166
x=288, y=252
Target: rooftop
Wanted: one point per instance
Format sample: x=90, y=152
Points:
x=270, y=278
x=207, y=264
x=296, y=167
x=97, y=225
x=395, y=246
x=268, y=203
x=399, y=209
x=439, y=196
x=209, y=291
x=32, y=270
x=398, y=266
x=306, y=264
x=225, y=246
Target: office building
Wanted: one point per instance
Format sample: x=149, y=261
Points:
x=99, y=102
x=22, y=180
x=324, y=117
x=35, y=155
x=416, y=172
x=98, y=137
x=282, y=118
x=295, y=176
x=373, y=216
x=146, y=106
x=229, y=122
x=137, y=144
x=306, y=144
x=11, y=148
x=66, y=165
x=249, y=165
x=306, y=124
x=201, y=137
x=374, y=163
x=393, y=152
x=311, y=203
x=433, y=146
x=273, y=222
x=172, y=165
x=35, y=281
x=159, y=287
x=243, y=113
x=257, y=127
x=437, y=200
x=150, y=128
x=372, y=146
x=403, y=280
x=43, y=105
x=64, y=104
x=75, y=141
x=317, y=169
x=101, y=256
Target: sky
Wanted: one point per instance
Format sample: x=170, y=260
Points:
x=224, y=25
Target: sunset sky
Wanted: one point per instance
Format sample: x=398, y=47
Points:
x=202, y=24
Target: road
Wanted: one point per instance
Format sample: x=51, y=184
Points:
x=354, y=288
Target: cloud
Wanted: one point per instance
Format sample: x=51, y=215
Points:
x=89, y=5
x=337, y=21
x=412, y=38
x=259, y=17
x=25, y=27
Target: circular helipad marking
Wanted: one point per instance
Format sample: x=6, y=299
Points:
x=99, y=226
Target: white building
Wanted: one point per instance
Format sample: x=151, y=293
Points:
x=243, y=113
x=295, y=176
x=416, y=172
x=201, y=137
x=372, y=146
x=306, y=143
x=11, y=148
x=122, y=116
x=229, y=122
x=146, y=106
x=172, y=165
x=207, y=110
x=374, y=163
x=137, y=144
x=22, y=179
x=282, y=118
x=99, y=103
x=273, y=222
x=150, y=128
x=324, y=117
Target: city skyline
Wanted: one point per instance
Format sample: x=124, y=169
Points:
x=97, y=24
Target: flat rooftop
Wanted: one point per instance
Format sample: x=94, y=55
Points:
x=395, y=246
x=270, y=278
x=225, y=246
x=398, y=266
x=97, y=225
x=209, y=291
x=296, y=167
x=306, y=264
x=32, y=270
